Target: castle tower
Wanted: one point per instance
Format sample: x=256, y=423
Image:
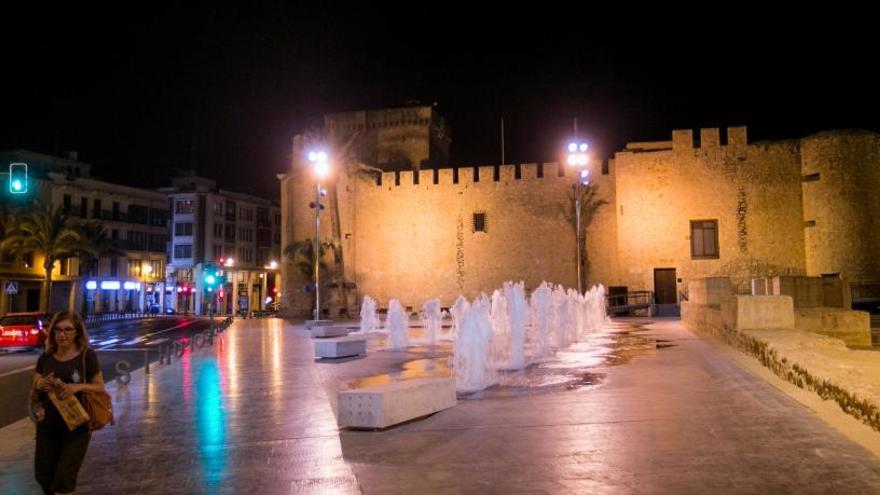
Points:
x=841, y=180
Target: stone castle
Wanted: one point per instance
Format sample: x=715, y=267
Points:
x=701, y=204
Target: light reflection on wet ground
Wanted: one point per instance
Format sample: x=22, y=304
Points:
x=577, y=367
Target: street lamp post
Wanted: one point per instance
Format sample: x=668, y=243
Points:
x=322, y=168
x=578, y=159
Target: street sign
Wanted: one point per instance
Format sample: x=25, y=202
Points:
x=11, y=287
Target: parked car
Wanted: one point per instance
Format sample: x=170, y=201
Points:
x=23, y=330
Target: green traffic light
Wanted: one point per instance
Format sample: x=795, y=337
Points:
x=18, y=178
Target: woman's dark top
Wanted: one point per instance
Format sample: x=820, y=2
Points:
x=68, y=372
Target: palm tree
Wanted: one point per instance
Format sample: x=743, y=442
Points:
x=49, y=232
x=302, y=254
x=95, y=243
x=590, y=204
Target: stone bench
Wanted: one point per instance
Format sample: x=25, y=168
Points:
x=340, y=347
x=393, y=403
x=325, y=332
x=310, y=324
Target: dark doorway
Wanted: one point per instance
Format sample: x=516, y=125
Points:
x=33, y=300
x=664, y=286
x=832, y=290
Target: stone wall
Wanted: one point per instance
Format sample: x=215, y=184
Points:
x=410, y=234
x=852, y=327
x=417, y=241
x=753, y=191
x=841, y=171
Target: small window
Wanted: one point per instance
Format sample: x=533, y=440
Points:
x=704, y=239
x=810, y=177
x=810, y=223
x=183, y=207
x=183, y=251
x=183, y=229
x=479, y=222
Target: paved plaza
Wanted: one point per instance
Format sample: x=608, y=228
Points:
x=660, y=411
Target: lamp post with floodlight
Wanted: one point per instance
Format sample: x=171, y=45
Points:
x=578, y=159
x=321, y=165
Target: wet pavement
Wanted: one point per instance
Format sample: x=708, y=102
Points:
x=645, y=408
x=122, y=346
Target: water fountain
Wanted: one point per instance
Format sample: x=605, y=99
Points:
x=398, y=325
x=490, y=334
x=461, y=305
x=515, y=297
x=431, y=321
x=540, y=309
x=369, y=320
x=473, y=370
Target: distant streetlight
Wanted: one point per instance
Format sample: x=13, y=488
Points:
x=578, y=159
x=321, y=165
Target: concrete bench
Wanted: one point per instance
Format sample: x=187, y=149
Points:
x=340, y=347
x=325, y=332
x=393, y=403
x=310, y=324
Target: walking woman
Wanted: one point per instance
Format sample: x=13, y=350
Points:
x=60, y=369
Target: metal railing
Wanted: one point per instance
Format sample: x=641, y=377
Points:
x=633, y=298
x=93, y=318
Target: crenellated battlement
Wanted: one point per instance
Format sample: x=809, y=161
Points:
x=472, y=175
x=709, y=138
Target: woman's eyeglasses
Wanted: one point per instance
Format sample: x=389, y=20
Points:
x=64, y=329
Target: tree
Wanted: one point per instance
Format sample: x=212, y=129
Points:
x=50, y=232
x=302, y=255
x=95, y=242
x=590, y=204
x=343, y=150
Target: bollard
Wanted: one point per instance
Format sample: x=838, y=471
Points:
x=147, y=362
x=179, y=347
x=123, y=367
x=164, y=354
x=197, y=341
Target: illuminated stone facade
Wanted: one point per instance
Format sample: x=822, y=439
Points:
x=411, y=235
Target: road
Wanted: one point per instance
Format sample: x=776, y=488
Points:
x=114, y=342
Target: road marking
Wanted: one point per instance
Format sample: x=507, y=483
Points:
x=142, y=338
x=19, y=370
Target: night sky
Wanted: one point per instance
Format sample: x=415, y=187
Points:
x=142, y=93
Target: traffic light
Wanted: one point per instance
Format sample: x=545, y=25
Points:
x=18, y=178
x=213, y=277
